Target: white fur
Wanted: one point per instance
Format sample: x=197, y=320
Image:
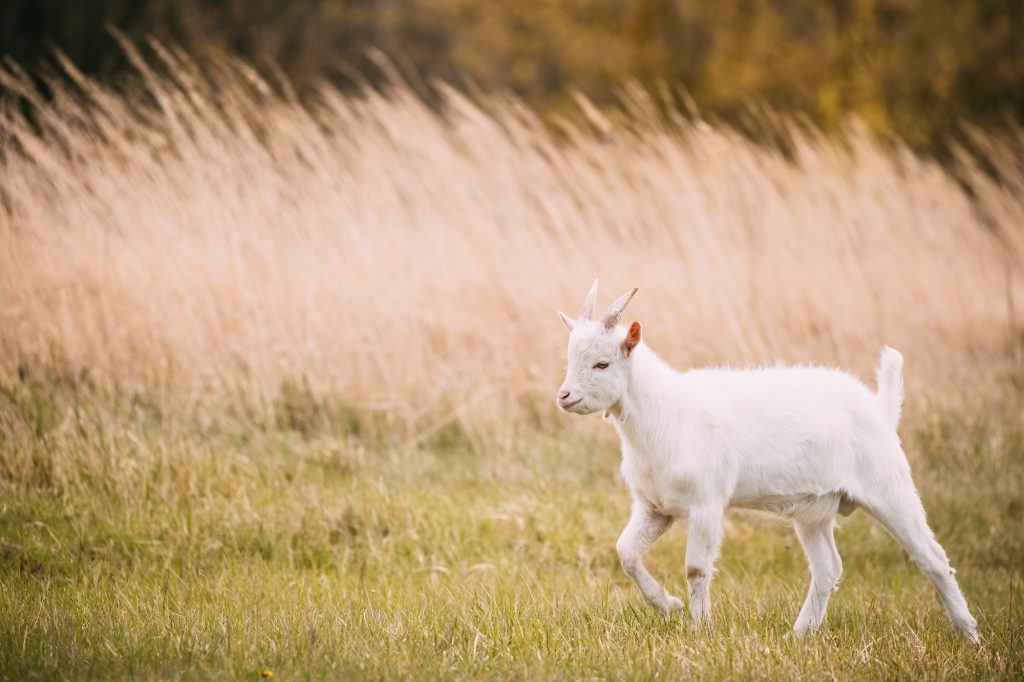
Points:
x=803, y=442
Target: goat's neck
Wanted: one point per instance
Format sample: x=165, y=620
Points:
x=650, y=381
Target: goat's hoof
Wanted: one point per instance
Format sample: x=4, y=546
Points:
x=700, y=626
x=971, y=633
x=670, y=605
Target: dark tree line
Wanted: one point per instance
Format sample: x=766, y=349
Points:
x=917, y=68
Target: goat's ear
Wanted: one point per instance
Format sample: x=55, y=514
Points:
x=632, y=338
x=569, y=323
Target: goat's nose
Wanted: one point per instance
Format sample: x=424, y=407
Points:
x=562, y=395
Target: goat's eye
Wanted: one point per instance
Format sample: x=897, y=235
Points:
x=601, y=365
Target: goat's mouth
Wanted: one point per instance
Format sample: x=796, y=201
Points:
x=568, y=406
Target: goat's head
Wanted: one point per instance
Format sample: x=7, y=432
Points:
x=599, y=353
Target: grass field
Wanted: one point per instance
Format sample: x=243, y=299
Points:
x=151, y=548
x=276, y=383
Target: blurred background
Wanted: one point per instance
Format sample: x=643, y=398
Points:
x=198, y=196
x=918, y=69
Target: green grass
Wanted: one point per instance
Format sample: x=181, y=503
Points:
x=145, y=544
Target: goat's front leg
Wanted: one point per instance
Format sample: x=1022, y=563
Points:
x=703, y=539
x=644, y=527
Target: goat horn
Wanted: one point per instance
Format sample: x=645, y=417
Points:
x=611, y=318
x=588, y=303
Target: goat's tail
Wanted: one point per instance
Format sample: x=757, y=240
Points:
x=890, y=384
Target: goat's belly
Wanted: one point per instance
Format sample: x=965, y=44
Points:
x=801, y=506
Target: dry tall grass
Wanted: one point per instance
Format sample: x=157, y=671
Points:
x=211, y=241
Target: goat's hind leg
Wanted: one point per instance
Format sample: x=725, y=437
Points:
x=901, y=512
x=644, y=527
x=826, y=567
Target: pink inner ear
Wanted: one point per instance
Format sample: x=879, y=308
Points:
x=632, y=337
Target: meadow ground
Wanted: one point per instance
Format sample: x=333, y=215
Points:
x=158, y=549
x=276, y=381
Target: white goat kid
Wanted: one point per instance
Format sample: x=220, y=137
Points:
x=803, y=442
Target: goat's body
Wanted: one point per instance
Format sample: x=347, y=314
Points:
x=802, y=442
x=778, y=440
